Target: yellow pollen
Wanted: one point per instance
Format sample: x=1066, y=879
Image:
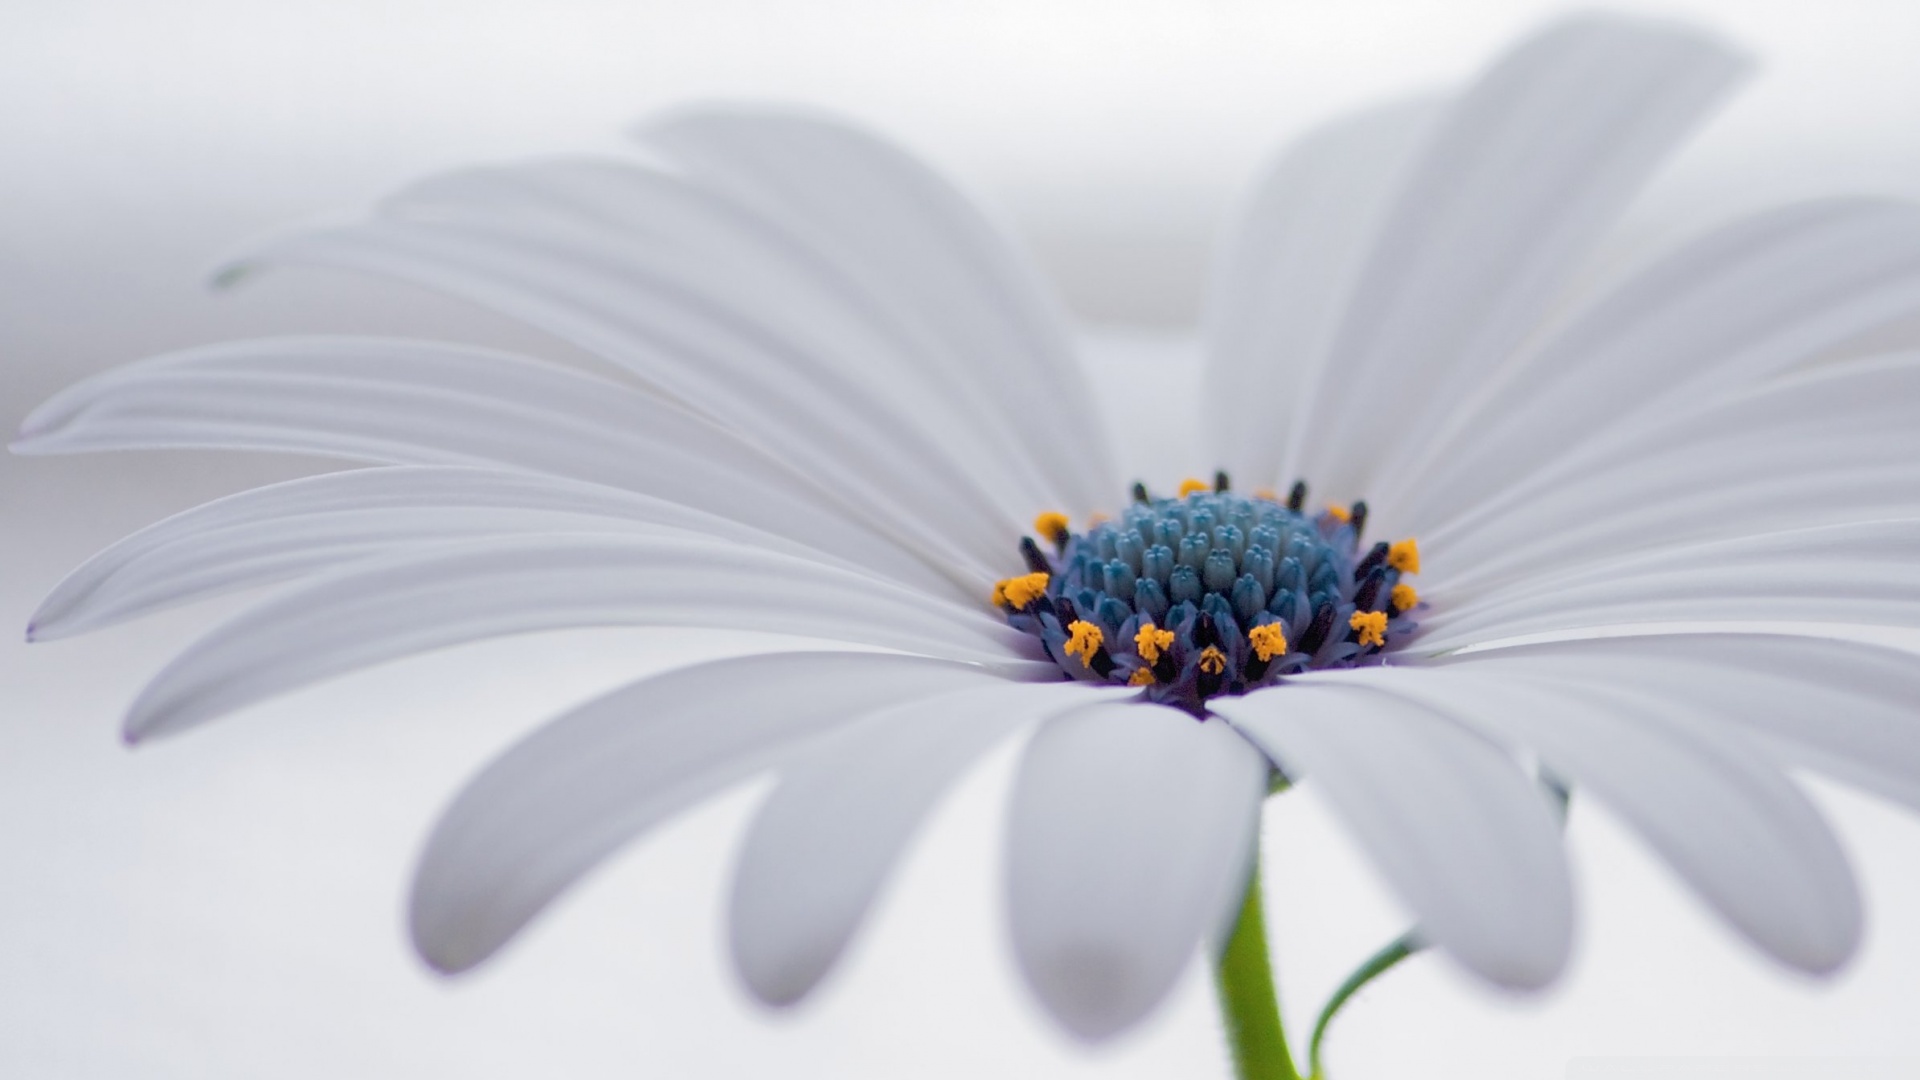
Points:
x=1404, y=597
x=1018, y=592
x=1268, y=641
x=1085, y=641
x=1151, y=641
x=1266, y=493
x=1212, y=660
x=1190, y=485
x=1097, y=518
x=1052, y=525
x=1372, y=626
x=1141, y=677
x=1404, y=556
x=1339, y=513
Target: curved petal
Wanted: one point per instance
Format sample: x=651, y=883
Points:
x=1719, y=813
x=1860, y=573
x=1453, y=825
x=1742, y=303
x=825, y=841
x=738, y=279
x=919, y=247
x=1827, y=447
x=619, y=300
x=559, y=802
x=1277, y=293
x=1129, y=841
x=425, y=403
x=412, y=603
x=321, y=523
x=1838, y=707
x=1531, y=164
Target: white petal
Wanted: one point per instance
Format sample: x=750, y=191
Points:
x=739, y=279
x=413, y=402
x=1455, y=828
x=706, y=350
x=919, y=247
x=846, y=807
x=555, y=805
x=1864, y=573
x=1129, y=843
x=319, y=523
x=1839, y=707
x=1532, y=163
x=411, y=603
x=1740, y=304
x=1278, y=292
x=1828, y=447
x=1720, y=814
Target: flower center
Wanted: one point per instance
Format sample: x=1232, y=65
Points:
x=1210, y=592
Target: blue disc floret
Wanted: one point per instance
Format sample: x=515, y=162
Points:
x=1211, y=592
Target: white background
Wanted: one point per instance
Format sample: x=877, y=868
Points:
x=229, y=904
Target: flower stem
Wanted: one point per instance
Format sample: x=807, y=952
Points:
x=1377, y=965
x=1248, y=1003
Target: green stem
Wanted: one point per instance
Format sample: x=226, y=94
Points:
x=1377, y=965
x=1248, y=1003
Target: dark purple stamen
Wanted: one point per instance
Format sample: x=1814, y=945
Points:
x=1375, y=557
x=1318, y=629
x=1036, y=559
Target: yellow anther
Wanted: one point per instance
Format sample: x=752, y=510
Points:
x=1190, y=485
x=1266, y=493
x=1404, y=555
x=1085, y=640
x=1372, y=626
x=1141, y=677
x=1212, y=660
x=1053, y=526
x=1268, y=641
x=1097, y=518
x=1151, y=641
x=1018, y=592
x=1339, y=513
x=1404, y=597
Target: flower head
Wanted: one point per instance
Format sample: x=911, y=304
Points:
x=843, y=402
x=1203, y=591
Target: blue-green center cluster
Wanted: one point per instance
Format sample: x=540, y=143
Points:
x=1210, y=568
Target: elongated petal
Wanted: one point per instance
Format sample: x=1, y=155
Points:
x=1455, y=828
x=319, y=523
x=1532, y=163
x=711, y=267
x=1129, y=841
x=1828, y=447
x=1865, y=573
x=919, y=247
x=1738, y=305
x=1839, y=707
x=824, y=842
x=419, y=403
x=1720, y=814
x=1278, y=293
x=617, y=299
x=411, y=603
x=552, y=807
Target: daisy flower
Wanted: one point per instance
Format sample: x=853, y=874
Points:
x=845, y=410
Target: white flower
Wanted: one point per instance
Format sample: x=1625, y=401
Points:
x=846, y=400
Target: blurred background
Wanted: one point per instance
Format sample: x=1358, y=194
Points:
x=231, y=904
